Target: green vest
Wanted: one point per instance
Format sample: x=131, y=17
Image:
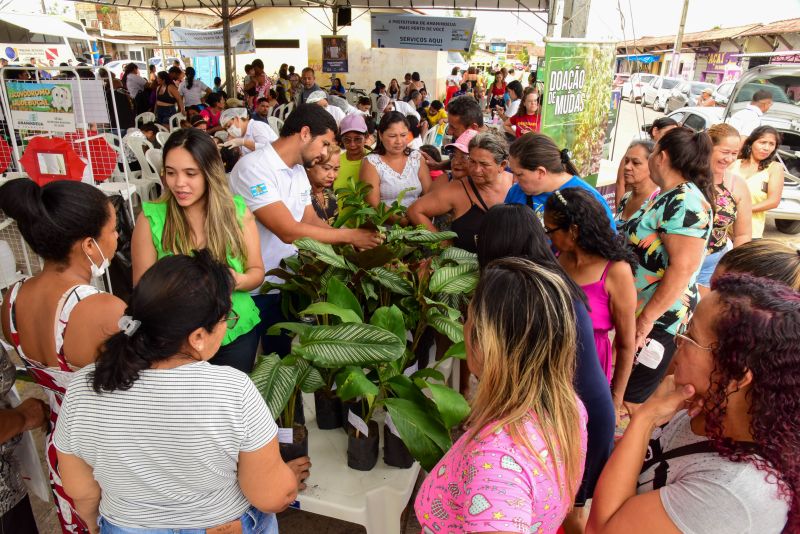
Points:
x=242, y=302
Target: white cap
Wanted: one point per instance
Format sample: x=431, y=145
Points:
x=231, y=113
x=316, y=96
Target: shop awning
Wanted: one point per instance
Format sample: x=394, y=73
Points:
x=45, y=25
x=118, y=37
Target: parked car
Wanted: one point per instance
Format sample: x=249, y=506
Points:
x=659, y=90
x=698, y=119
x=170, y=60
x=632, y=89
x=619, y=79
x=722, y=93
x=686, y=94
x=784, y=115
x=117, y=67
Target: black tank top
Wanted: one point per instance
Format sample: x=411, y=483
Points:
x=466, y=227
x=165, y=97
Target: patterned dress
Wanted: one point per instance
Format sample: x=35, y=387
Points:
x=683, y=210
x=55, y=382
x=724, y=217
x=490, y=483
x=12, y=489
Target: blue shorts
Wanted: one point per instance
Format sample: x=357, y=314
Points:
x=709, y=265
x=253, y=522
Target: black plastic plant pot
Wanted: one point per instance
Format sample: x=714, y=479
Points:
x=299, y=447
x=362, y=451
x=395, y=452
x=299, y=413
x=329, y=410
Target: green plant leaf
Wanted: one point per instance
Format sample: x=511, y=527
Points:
x=390, y=318
x=457, y=350
x=392, y=281
x=292, y=263
x=274, y=381
x=296, y=328
x=326, y=308
x=459, y=255
x=368, y=287
x=426, y=438
x=431, y=237
x=403, y=387
x=454, y=279
x=351, y=382
x=311, y=380
x=340, y=295
x=323, y=251
x=350, y=344
x=374, y=257
x=428, y=373
x=451, y=328
x=452, y=406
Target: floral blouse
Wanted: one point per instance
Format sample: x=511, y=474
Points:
x=683, y=210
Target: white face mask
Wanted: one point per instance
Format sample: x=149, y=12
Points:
x=234, y=131
x=98, y=271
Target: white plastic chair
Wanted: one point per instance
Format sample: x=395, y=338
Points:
x=154, y=158
x=277, y=111
x=276, y=124
x=175, y=121
x=162, y=137
x=116, y=144
x=149, y=184
x=430, y=136
x=286, y=111
x=144, y=118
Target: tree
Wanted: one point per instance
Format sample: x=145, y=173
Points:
x=524, y=56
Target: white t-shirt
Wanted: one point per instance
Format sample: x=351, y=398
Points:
x=337, y=113
x=513, y=107
x=405, y=108
x=134, y=84
x=705, y=492
x=165, y=451
x=453, y=79
x=261, y=133
x=262, y=178
x=746, y=120
x=191, y=97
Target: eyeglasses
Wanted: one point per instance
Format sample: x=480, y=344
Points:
x=549, y=231
x=231, y=320
x=682, y=337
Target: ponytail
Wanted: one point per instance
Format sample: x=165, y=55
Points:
x=566, y=161
x=690, y=155
x=175, y=297
x=534, y=150
x=189, y=77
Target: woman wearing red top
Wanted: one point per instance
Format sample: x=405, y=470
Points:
x=214, y=106
x=527, y=119
x=498, y=90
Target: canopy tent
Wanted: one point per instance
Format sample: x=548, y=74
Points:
x=45, y=25
x=227, y=9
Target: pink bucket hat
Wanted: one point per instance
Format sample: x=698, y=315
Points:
x=353, y=123
x=462, y=143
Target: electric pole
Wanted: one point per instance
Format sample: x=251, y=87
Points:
x=674, y=65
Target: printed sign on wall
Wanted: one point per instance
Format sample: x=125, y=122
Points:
x=334, y=53
x=242, y=40
x=391, y=30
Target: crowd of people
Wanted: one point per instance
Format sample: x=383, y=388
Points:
x=154, y=425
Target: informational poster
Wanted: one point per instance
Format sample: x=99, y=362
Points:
x=334, y=53
x=393, y=30
x=50, y=55
x=41, y=106
x=578, y=100
x=242, y=40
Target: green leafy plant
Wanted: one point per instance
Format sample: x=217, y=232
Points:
x=279, y=381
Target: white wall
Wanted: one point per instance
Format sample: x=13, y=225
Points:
x=366, y=64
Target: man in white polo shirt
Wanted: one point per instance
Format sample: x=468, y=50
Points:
x=245, y=132
x=748, y=119
x=274, y=185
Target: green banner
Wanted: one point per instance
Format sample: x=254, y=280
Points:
x=577, y=100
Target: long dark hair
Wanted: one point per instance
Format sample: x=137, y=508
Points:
x=534, y=150
x=175, y=297
x=758, y=330
x=595, y=236
x=52, y=218
x=189, y=77
x=514, y=231
x=165, y=79
x=747, y=147
x=129, y=68
x=690, y=155
x=393, y=117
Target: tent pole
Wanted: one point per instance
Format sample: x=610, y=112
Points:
x=230, y=84
x=160, y=39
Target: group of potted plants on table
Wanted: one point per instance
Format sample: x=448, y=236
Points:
x=365, y=340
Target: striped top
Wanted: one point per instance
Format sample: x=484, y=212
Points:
x=165, y=451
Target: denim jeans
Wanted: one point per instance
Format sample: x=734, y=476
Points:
x=253, y=522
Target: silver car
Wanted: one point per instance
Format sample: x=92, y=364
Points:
x=657, y=93
x=784, y=115
x=633, y=87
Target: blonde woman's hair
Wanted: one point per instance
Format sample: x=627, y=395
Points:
x=223, y=229
x=523, y=332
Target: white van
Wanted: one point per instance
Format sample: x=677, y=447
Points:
x=49, y=40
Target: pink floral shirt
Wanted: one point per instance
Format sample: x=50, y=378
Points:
x=492, y=484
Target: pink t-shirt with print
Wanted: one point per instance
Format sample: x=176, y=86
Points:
x=489, y=484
